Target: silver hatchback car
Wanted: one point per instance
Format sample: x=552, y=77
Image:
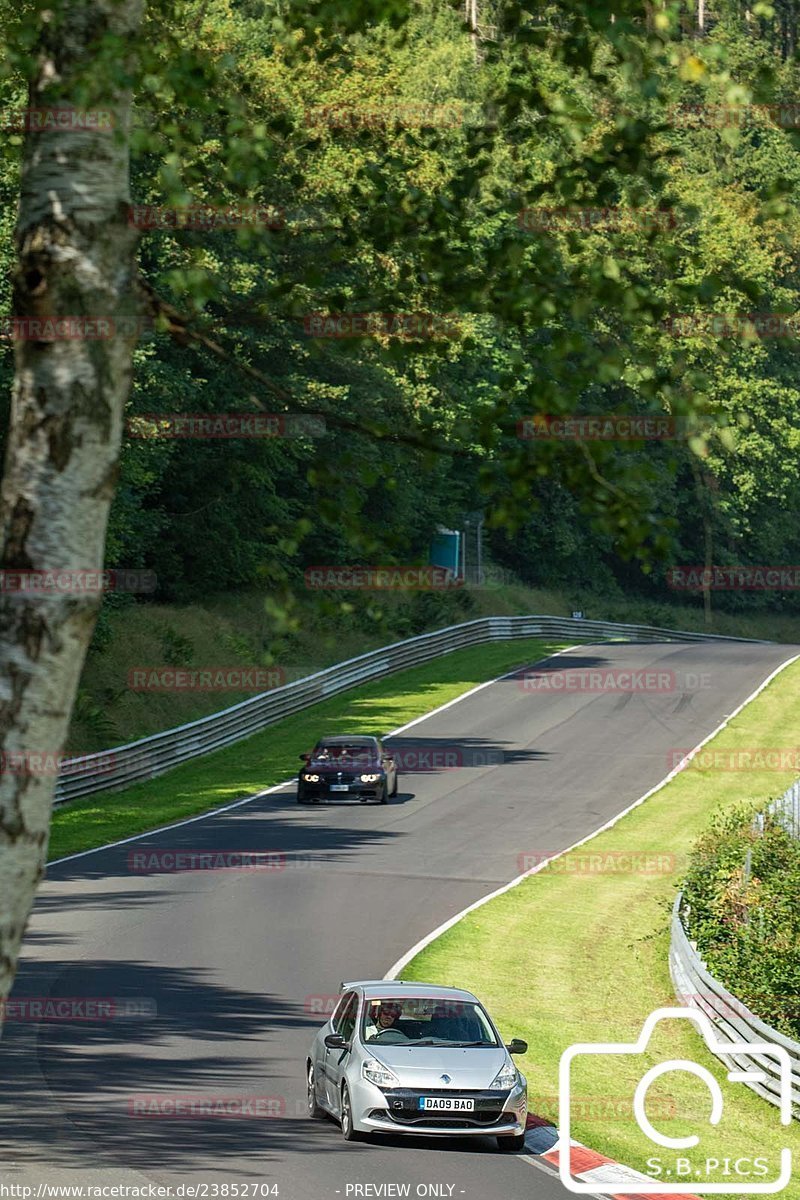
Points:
x=413, y=1058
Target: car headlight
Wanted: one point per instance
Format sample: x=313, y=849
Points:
x=311, y=778
x=377, y=1073
x=505, y=1078
x=370, y=778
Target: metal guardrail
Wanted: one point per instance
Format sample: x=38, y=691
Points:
x=154, y=755
x=696, y=987
x=733, y=1021
x=786, y=810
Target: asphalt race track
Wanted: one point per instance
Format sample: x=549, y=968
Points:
x=229, y=969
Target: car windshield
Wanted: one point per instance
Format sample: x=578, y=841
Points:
x=338, y=750
x=421, y=1021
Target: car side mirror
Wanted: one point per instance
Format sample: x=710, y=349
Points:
x=335, y=1041
x=517, y=1046
x=304, y=757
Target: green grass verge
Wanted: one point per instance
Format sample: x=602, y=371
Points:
x=579, y=953
x=268, y=757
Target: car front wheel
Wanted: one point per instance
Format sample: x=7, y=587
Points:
x=314, y=1110
x=348, y=1131
x=511, y=1143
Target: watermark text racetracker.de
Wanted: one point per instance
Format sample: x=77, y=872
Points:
x=599, y=427
x=718, y=1006
x=58, y=119
x=750, y=326
x=206, y=217
x=217, y=1106
x=76, y=1008
x=717, y=116
x=649, y=680
x=600, y=1108
x=52, y=762
x=417, y=326
x=422, y=757
x=68, y=581
x=225, y=425
x=409, y=577
x=601, y=862
x=377, y=579
x=174, y=860
x=385, y=114
x=734, y=578
x=707, y=1002
x=741, y=758
x=158, y=1105
x=322, y=1004
x=616, y=218
x=71, y=327
x=205, y=679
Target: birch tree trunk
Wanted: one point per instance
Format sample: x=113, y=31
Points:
x=75, y=258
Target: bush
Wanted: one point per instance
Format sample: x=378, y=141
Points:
x=745, y=916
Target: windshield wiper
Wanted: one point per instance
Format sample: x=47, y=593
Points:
x=462, y=1044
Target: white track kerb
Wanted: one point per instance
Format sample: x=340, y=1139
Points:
x=604, y=1173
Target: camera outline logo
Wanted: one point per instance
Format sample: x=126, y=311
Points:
x=717, y=1046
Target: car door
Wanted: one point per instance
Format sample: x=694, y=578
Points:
x=344, y=1023
x=319, y=1051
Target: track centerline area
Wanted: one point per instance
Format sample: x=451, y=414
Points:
x=227, y=973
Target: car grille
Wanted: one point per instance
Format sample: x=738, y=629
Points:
x=345, y=777
x=404, y=1107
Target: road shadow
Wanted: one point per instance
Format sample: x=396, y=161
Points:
x=273, y=825
x=557, y=666
x=417, y=756
x=354, y=802
x=107, y=1087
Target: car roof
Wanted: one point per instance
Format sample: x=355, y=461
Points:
x=383, y=988
x=347, y=741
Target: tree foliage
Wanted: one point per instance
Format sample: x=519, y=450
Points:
x=742, y=895
x=402, y=160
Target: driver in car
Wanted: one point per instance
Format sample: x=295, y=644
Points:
x=383, y=1017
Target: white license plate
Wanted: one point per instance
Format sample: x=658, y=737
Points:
x=446, y=1104
x=340, y=787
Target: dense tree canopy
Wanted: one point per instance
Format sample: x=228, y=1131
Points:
x=465, y=235
x=396, y=161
